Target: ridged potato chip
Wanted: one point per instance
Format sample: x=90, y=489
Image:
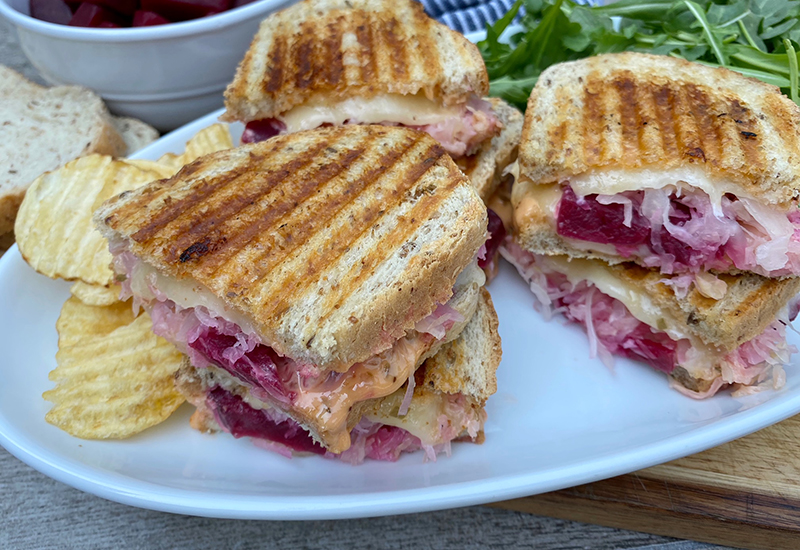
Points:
x=95, y=295
x=54, y=228
x=162, y=170
x=115, y=377
x=209, y=140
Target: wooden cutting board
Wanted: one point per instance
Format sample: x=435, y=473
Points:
x=744, y=494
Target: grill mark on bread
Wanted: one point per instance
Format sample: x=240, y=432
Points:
x=298, y=282
x=593, y=125
x=705, y=122
x=749, y=144
x=665, y=102
x=303, y=58
x=188, y=211
x=629, y=116
x=177, y=208
x=426, y=203
x=273, y=80
x=397, y=50
x=293, y=236
x=257, y=188
x=366, y=54
x=331, y=63
x=427, y=46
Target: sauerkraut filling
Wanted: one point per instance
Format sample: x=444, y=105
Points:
x=275, y=431
x=613, y=330
x=208, y=337
x=678, y=229
x=460, y=130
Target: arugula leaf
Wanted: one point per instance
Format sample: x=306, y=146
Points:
x=754, y=37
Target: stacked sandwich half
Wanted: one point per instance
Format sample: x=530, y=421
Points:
x=324, y=286
x=336, y=62
x=655, y=203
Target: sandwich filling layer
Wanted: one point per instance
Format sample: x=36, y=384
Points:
x=621, y=320
x=433, y=421
x=677, y=221
x=210, y=334
x=460, y=129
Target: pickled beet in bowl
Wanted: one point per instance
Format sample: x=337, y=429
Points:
x=166, y=74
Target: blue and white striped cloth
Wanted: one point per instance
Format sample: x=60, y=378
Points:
x=467, y=15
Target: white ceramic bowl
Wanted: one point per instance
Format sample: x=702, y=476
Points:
x=165, y=75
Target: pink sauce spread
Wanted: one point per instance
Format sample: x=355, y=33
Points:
x=277, y=432
x=682, y=233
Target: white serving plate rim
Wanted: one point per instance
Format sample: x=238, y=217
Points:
x=127, y=490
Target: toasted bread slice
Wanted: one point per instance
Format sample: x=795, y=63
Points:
x=135, y=133
x=43, y=128
x=749, y=305
x=466, y=366
x=631, y=111
x=485, y=168
x=371, y=47
x=332, y=242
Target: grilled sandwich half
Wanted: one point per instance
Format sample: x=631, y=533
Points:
x=670, y=164
x=320, y=268
x=443, y=402
x=702, y=344
x=334, y=62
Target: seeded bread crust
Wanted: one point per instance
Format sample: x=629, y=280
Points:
x=632, y=110
x=339, y=49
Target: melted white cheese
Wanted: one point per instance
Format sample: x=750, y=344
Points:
x=703, y=357
x=410, y=110
x=611, y=182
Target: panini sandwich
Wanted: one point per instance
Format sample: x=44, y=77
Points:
x=702, y=344
x=670, y=164
x=318, y=270
x=334, y=62
x=442, y=402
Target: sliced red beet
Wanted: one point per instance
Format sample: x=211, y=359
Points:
x=242, y=420
x=182, y=10
x=52, y=11
x=586, y=219
x=108, y=25
x=656, y=349
x=497, y=233
x=143, y=18
x=260, y=130
x=124, y=7
x=258, y=368
x=240, y=3
x=91, y=15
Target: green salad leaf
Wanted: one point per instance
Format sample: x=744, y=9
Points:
x=758, y=38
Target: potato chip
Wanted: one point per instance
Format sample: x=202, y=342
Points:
x=160, y=170
x=214, y=138
x=115, y=377
x=95, y=295
x=54, y=228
